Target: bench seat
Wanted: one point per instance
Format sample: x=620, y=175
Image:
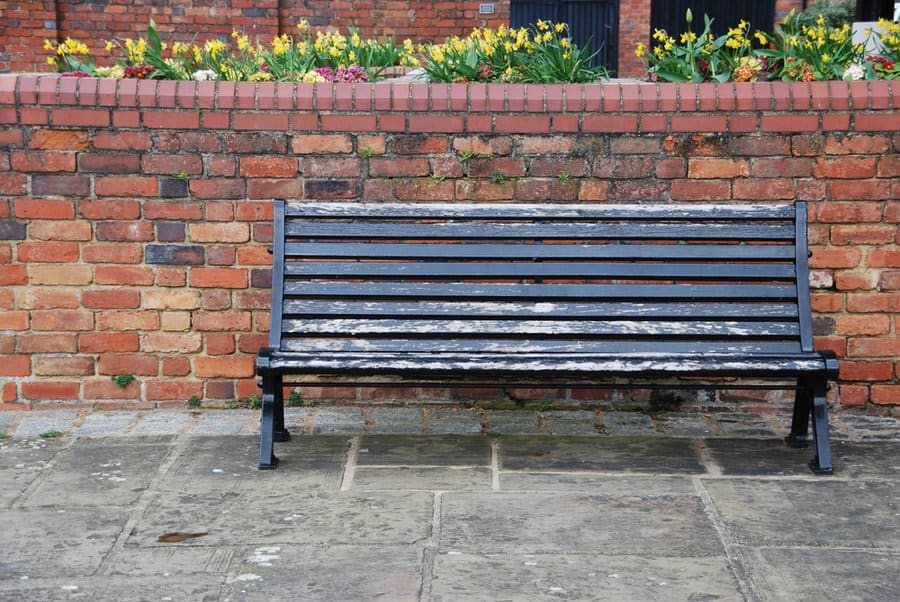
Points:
x=506, y=294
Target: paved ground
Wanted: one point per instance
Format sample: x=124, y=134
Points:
x=444, y=505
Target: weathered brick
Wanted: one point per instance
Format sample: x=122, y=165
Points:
x=47, y=343
x=15, y=365
x=126, y=186
x=222, y=321
x=885, y=394
x=166, y=390
x=32, y=161
x=62, y=319
x=112, y=253
x=886, y=347
x=175, y=366
x=125, y=320
x=220, y=344
x=332, y=189
x=865, y=370
x=51, y=275
x=224, y=367
x=52, y=139
x=868, y=324
x=57, y=230
x=43, y=209
x=125, y=231
x=12, y=230
x=268, y=167
x=108, y=389
x=175, y=254
x=850, y=213
x=171, y=342
x=867, y=234
x=883, y=258
x=219, y=278
x=54, y=297
x=171, y=299
x=854, y=281
x=50, y=390
x=223, y=232
x=873, y=302
x=109, y=210
x=306, y=144
x=48, y=252
x=834, y=257
x=111, y=299
x=64, y=366
x=101, y=342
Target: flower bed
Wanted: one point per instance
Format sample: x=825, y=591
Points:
x=795, y=52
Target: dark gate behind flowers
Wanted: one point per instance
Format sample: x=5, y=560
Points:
x=670, y=15
x=592, y=23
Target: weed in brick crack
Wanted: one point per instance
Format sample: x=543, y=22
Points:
x=564, y=176
x=295, y=398
x=194, y=401
x=51, y=434
x=366, y=153
x=436, y=178
x=498, y=177
x=253, y=402
x=180, y=175
x=465, y=155
x=123, y=380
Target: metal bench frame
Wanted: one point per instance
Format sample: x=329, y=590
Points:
x=473, y=294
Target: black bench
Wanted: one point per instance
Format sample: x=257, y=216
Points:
x=490, y=294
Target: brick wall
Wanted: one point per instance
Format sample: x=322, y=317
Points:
x=134, y=216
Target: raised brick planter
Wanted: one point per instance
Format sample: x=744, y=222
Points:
x=134, y=216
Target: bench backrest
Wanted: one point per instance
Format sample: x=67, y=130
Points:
x=550, y=278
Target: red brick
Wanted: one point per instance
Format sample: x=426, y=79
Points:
x=13, y=274
x=108, y=389
x=218, y=188
x=219, y=278
x=50, y=390
x=166, y=390
x=224, y=367
x=883, y=258
x=260, y=121
x=81, y=117
x=535, y=189
x=167, y=165
x=781, y=167
x=219, y=321
x=124, y=275
x=886, y=394
x=64, y=366
x=863, y=234
x=831, y=257
x=9, y=395
x=849, y=213
x=872, y=371
x=48, y=252
x=96, y=342
x=123, y=320
x=608, y=123
x=109, y=210
x=65, y=140
x=855, y=281
x=455, y=123
x=58, y=230
x=171, y=342
x=220, y=344
x=125, y=363
x=122, y=163
x=890, y=280
x=764, y=189
x=171, y=299
x=184, y=120
x=46, y=162
x=701, y=190
x=875, y=347
x=718, y=168
x=61, y=319
x=304, y=144
x=43, y=209
x=854, y=395
x=123, y=140
x=398, y=167
x=789, y=123
x=224, y=232
x=866, y=324
x=112, y=253
x=47, y=343
x=268, y=167
x=111, y=299
x=15, y=365
x=126, y=186
x=873, y=302
x=699, y=123
x=845, y=167
x=48, y=298
x=857, y=144
x=176, y=366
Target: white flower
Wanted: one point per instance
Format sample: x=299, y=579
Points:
x=854, y=72
x=204, y=75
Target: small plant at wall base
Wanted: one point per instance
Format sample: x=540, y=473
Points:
x=123, y=380
x=194, y=401
x=295, y=398
x=51, y=434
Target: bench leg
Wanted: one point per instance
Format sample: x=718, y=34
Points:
x=821, y=463
x=267, y=459
x=799, y=435
x=280, y=431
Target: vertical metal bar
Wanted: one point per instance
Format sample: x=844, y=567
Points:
x=279, y=430
x=277, y=276
x=799, y=435
x=801, y=248
x=267, y=459
x=821, y=463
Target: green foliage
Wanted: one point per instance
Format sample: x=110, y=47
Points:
x=366, y=153
x=498, y=177
x=51, y=434
x=564, y=176
x=3, y=436
x=835, y=13
x=123, y=380
x=465, y=155
x=544, y=53
x=254, y=402
x=295, y=398
x=194, y=401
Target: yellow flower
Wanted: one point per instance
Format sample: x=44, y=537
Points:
x=560, y=27
x=48, y=45
x=565, y=43
x=826, y=57
x=688, y=36
x=51, y=60
x=303, y=25
x=640, y=50
x=566, y=56
x=761, y=37
x=660, y=35
x=542, y=25
x=110, y=46
x=547, y=36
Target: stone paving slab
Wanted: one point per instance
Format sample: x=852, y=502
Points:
x=616, y=485
x=220, y=464
x=21, y=462
x=824, y=574
x=464, y=577
x=102, y=424
x=96, y=471
x=273, y=518
x=162, y=422
x=820, y=512
x=442, y=478
x=558, y=523
x=113, y=589
x=166, y=561
x=36, y=423
x=332, y=572
x=633, y=454
x=55, y=542
x=424, y=450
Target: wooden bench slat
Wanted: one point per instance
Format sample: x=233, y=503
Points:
x=578, y=251
x=587, y=329
x=531, y=231
x=430, y=290
x=506, y=346
x=542, y=211
x=556, y=310
x=496, y=270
